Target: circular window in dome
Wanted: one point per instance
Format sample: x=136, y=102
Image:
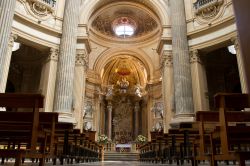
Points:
x=124, y=27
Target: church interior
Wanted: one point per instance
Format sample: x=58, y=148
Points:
x=139, y=81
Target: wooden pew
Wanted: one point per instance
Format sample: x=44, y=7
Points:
x=25, y=128
x=228, y=135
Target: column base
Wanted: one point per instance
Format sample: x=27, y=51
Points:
x=175, y=122
x=66, y=118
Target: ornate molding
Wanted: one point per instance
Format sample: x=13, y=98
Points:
x=207, y=10
x=41, y=9
x=194, y=56
x=53, y=54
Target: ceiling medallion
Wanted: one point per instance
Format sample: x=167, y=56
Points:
x=207, y=10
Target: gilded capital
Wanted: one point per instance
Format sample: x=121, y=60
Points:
x=194, y=56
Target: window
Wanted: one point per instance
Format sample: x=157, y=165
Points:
x=124, y=30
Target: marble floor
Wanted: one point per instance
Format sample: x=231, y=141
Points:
x=120, y=163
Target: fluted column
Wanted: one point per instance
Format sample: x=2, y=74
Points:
x=241, y=67
x=184, y=110
x=136, y=110
x=79, y=87
x=109, y=108
x=66, y=63
x=199, y=82
x=6, y=65
x=48, y=79
x=167, y=88
x=7, y=9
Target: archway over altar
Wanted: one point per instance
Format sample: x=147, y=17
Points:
x=124, y=80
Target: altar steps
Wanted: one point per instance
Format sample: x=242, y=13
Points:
x=121, y=156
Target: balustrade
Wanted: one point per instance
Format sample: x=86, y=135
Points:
x=201, y=3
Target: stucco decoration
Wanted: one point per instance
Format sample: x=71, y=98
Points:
x=41, y=9
x=207, y=11
x=144, y=22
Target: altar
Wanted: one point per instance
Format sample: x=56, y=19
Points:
x=123, y=147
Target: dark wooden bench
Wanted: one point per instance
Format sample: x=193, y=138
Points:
x=23, y=132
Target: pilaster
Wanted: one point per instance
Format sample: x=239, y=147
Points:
x=6, y=65
x=199, y=82
x=48, y=79
x=241, y=67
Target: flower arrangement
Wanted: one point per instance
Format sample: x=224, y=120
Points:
x=103, y=139
x=141, y=139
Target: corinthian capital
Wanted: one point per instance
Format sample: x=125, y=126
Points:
x=12, y=38
x=166, y=59
x=53, y=54
x=82, y=59
x=235, y=41
x=194, y=56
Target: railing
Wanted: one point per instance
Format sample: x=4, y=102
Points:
x=51, y=3
x=202, y=3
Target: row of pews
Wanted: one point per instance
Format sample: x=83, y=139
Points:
x=215, y=136
x=26, y=133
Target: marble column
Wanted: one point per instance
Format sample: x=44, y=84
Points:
x=79, y=87
x=199, y=82
x=7, y=9
x=137, y=124
x=241, y=66
x=109, y=108
x=66, y=64
x=6, y=65
x=184, y=110
x=167, y=88
x=48, y=79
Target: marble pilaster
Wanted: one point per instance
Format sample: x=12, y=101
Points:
x=137, y=124
x=66, y=64
x=48, y=79
x=241, y=66
x=184, y=110
x=6, y=65
x=167, y=88
x=7, y=9
x=79, y=87
x=199, y=82
x=109, y=108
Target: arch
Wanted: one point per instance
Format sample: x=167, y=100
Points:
x=111, y=54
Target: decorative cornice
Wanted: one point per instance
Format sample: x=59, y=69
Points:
x=53, y=54
x=194, y=56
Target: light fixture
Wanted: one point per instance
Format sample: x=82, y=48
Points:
x=231, y=49
x=16, y=46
